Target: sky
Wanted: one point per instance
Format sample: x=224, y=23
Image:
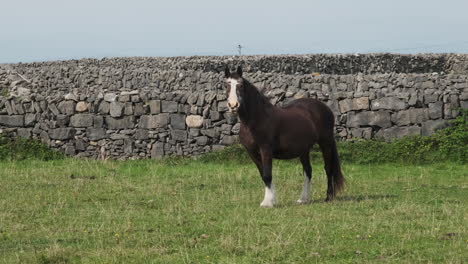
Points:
x=33, y=30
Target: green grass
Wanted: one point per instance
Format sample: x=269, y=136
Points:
x=202, y=211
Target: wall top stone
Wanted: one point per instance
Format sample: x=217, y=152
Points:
x=369, y=63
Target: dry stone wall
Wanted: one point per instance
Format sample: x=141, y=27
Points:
x=124, y=108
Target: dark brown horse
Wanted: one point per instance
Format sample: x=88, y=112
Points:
x=269, y=132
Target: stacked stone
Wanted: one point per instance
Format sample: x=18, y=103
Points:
x=129, y=108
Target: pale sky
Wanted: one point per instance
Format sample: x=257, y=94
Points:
x=39, y=30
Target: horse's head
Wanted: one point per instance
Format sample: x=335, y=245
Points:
x=234, y=84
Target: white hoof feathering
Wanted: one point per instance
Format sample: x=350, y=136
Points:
x=269, y=200
x=305, y=196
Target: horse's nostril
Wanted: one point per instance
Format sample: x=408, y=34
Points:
x=235, y=105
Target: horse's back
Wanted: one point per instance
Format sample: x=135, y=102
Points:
x=320, y=114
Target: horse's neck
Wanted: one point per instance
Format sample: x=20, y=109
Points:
x=256, y=111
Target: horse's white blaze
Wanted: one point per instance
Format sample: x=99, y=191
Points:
x=232, y=97
x=305, y=196
x=269, y=200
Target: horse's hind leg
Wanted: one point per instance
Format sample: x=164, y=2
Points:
x=307, y=172
x=332, y=168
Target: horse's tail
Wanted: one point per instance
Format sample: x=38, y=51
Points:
x=335, y=177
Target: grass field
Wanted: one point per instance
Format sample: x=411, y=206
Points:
x=186, y=211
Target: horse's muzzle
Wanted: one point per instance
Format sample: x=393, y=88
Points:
x=233, y=107
x=233, y=110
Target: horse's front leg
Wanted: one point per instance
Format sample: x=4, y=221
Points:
x=307, y=171
x=269, y=200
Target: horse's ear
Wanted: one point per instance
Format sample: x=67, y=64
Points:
x=239, y=71
x=227, y=72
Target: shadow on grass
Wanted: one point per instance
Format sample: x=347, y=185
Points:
x=357, y=198
x=344, y=198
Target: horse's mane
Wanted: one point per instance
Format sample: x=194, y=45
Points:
x=255, y=102
x=254, y=95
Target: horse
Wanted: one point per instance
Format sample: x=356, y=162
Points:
x=268, y=131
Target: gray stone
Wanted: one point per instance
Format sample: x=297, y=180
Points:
x=236, y=128
x=22, y=92
x=104, y=108
x=118, y=138
x=410, y=116
x=194, y=132
x=222, y=106
x=133, y=92
x=414, y=100
x=464, y=104
x=347, y=105
x=128, y=109
x=44, y=136
x=98, y=121
x=110, y=97
x=70, y=96
x=226, y=129
x=124, y=98
x=126, y=122
x=169, y=107
x=116, y=109
x=80, y=144
x=464, y=96
x=128, y=146
x=70, y=151
x=229, y=140
x=378, y=118
x=24, y=132
x=18, y=107
x=62, y=133
x=154, y=121
x=192, y=99
x=389, y=103
x=9, y=108
x=81, y=120
x=208, y=132
x=30, y=119
x=365, y=132
x=12, y=121
x=155, y=106
x=398, y=132
x=194, y=121
x=436, y=110
x=141, y=134
x=179, y=135
x=139, y=109
x=429, y=127
x=215, y=116
x=218, y=147
x=62, y=120
x=201, y=99
x=135, y=99
x=230, y=118
x=67, y=107
x=95, y=134
x=202, y=141
x=53, y=109
x=157, y=150
x=430, y=98
x=178, y=121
